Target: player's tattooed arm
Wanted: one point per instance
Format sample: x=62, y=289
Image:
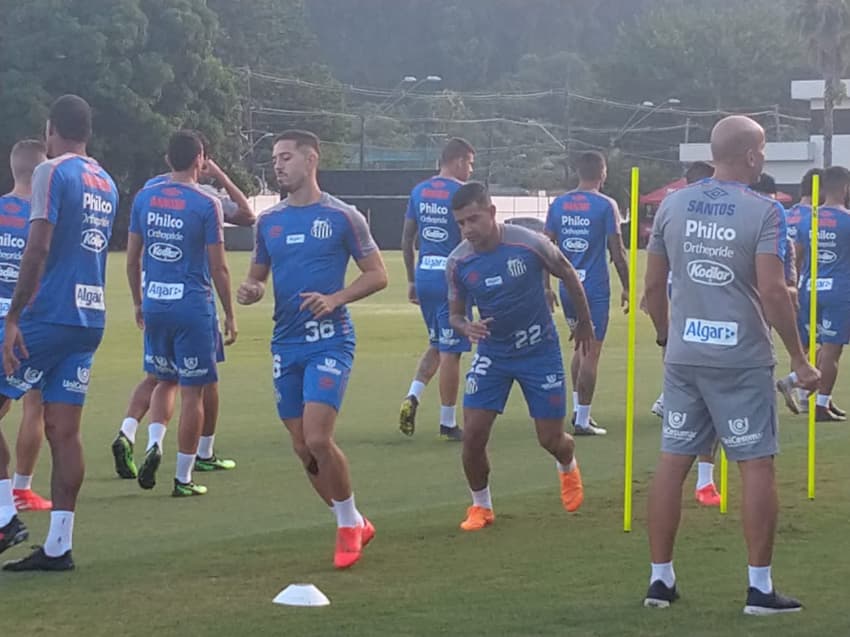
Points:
x=32, y=266
x=551, y=296
x=655, y=284
x=408, y=250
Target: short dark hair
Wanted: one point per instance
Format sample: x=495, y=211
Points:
x=698, y=171
x=835, y=179
x=456, y=148
x=765, y=184
x=184, y=148
x=806, y=181
x=25, y=156
x=205, y=143
x=70, y=116
x=300, y=137
x=590, y=165
x=473, y=192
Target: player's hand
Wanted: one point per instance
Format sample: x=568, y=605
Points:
x=551, y=299
x=320, y=305
x=477, y=331
x=411, y=294
x=582, y=334
x=250, y=292
x=212, y=169
x=808, y=377
x=643, y=307
x=13, y=340
x=230, y=330
x=140, y=318
x=624, y=301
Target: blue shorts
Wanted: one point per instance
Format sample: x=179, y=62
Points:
x=302, y=377
x=59, y=363
x=833, y=322
x=180, y=349
x=435, y=311
x=540, y=376
x=599, y=311
x=218, y=343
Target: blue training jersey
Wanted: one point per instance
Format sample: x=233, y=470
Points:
x=430, y=205
x=177, y=222
x=80, y=200
x=833, y=253
x=308, y=249
x=14, y=227
x=507, y=285
x=799, y=221
x=581, y=222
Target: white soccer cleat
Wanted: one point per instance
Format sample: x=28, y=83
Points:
x=590, y=430
x=658, y=408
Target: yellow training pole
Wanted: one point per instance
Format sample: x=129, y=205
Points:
x=724, y=481
x=813, y=323
x=630, y=369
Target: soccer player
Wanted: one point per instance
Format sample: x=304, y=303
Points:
x=305, y=242
x=56, y=319
x=725, y=246
x=237, y=211
x=584, y=223
x=799, y=219
x=429, y=219
x=178, y=228
x=833, y=328
x=14, y=226
x=501, y=269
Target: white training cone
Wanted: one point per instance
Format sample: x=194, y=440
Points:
x=301, y=595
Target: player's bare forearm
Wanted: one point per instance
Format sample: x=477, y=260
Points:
x=575, y=290
x=258, y=273
x=457, y=315
x=655, y=293
x=799, y=256
x=618, y=256
x=408, y=239
x=134, y=267
x=778, y=309
x=244, y=215
x=220, y=274
x=32, y=267
x=373, y=278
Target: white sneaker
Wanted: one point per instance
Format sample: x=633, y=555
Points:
x=590, y=430
x=658, y=408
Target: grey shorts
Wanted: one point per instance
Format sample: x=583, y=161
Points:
x=738, y=406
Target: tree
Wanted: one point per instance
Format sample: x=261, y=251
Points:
x=824, y=27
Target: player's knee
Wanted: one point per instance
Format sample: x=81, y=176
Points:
x=318, y=446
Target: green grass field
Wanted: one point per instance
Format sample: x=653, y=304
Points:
x=151, y=565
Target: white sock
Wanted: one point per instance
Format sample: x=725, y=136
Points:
x=156, y=435
x=416, y=389
x=824, y=400
x=660, y=398
x=447, y=416
x=205, y=446
x=185, y=462
x=346, y=513
x=61, y=533
x=129, y=427
x=663, y=572
x=760, y=578
x=705, y=474
x=7, y=502
x=21, y=482
x=575, y=401
x=482, y=498
x=583, y=416
x=792, y=378
x=567, y=468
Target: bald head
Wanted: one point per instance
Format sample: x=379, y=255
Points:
x=737, y=147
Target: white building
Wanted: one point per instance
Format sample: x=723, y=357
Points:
x=788, y=161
